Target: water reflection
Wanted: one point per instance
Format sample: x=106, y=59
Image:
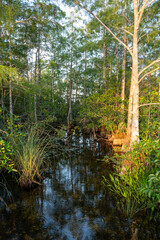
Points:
x=71, y=204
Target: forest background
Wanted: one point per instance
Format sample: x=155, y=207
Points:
x=103, y=73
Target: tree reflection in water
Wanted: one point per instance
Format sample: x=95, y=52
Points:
x=72, y=203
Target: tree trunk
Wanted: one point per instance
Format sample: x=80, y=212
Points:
x=110, y=71
x=27, y=71
x=69, y=118
x=124, y=65
x=2, y=97
x=117, y=70
x=39, y=70
x=10, y=84
x=76, y=99
x=130, y=110
x=85, y=74
x=35, y=96
x=94, y=133
x=134, y=94
x=52, y=86
x=104, y=65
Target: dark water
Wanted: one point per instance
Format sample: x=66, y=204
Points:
x=72, y=203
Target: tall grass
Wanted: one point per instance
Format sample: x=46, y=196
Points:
x=29, y=156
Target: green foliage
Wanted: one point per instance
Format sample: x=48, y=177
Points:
x=150, y=114
x=6, y=147
x=4, y=73
x=138, y=182
x=102, y=109
x=61, y=132
x=6, y=152
x=151, y=188
x=127, y=189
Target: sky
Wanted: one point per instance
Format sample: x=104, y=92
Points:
x=70, y=10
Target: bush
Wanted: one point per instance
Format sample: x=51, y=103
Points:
x=6, y=152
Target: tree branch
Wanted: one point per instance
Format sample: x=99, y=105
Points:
x=141, y=36
x=24, y=20
x=108, y=29
x=20, y=21
x=126, y=19
x=3, y=131
x=147, y=104
x=141, y=11
x=148, y=74
x=123, y=30
x=146, y=4
x=150, y=3
x=3, y=33
x=127, y=31
x=157, y=60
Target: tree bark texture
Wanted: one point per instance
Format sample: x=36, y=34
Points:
x=69, y=118
x=134, y=79
x=124, y=64
x=10, y=80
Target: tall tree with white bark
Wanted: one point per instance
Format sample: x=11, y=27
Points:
x=136, y=77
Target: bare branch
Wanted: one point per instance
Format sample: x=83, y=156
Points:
x=24, y=20
x=126, y=19
x=150, y=3
x=20, y=21
x=146, y=4
x=108, y=29
x=3, y=131
x=157, y=60
x=148, y=74
x=3, y=33
x=142, y=36
x=127, y=31
x=147, y=104
x=141, y=11
x=123, y=30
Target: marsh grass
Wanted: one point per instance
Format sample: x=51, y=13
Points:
x=29, y=155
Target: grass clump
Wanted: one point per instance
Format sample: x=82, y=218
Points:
x=29, y=155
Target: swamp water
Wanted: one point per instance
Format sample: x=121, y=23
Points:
x=72, y=203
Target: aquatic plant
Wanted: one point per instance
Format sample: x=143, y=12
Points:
x=138, y=187
x=29, y=155
x=127, y=191
x=151, y=187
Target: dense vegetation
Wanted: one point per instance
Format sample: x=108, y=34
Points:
x=57, y=72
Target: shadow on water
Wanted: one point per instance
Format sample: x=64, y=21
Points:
x=71, y=204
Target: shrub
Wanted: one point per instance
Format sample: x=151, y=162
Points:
x=6, y=153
